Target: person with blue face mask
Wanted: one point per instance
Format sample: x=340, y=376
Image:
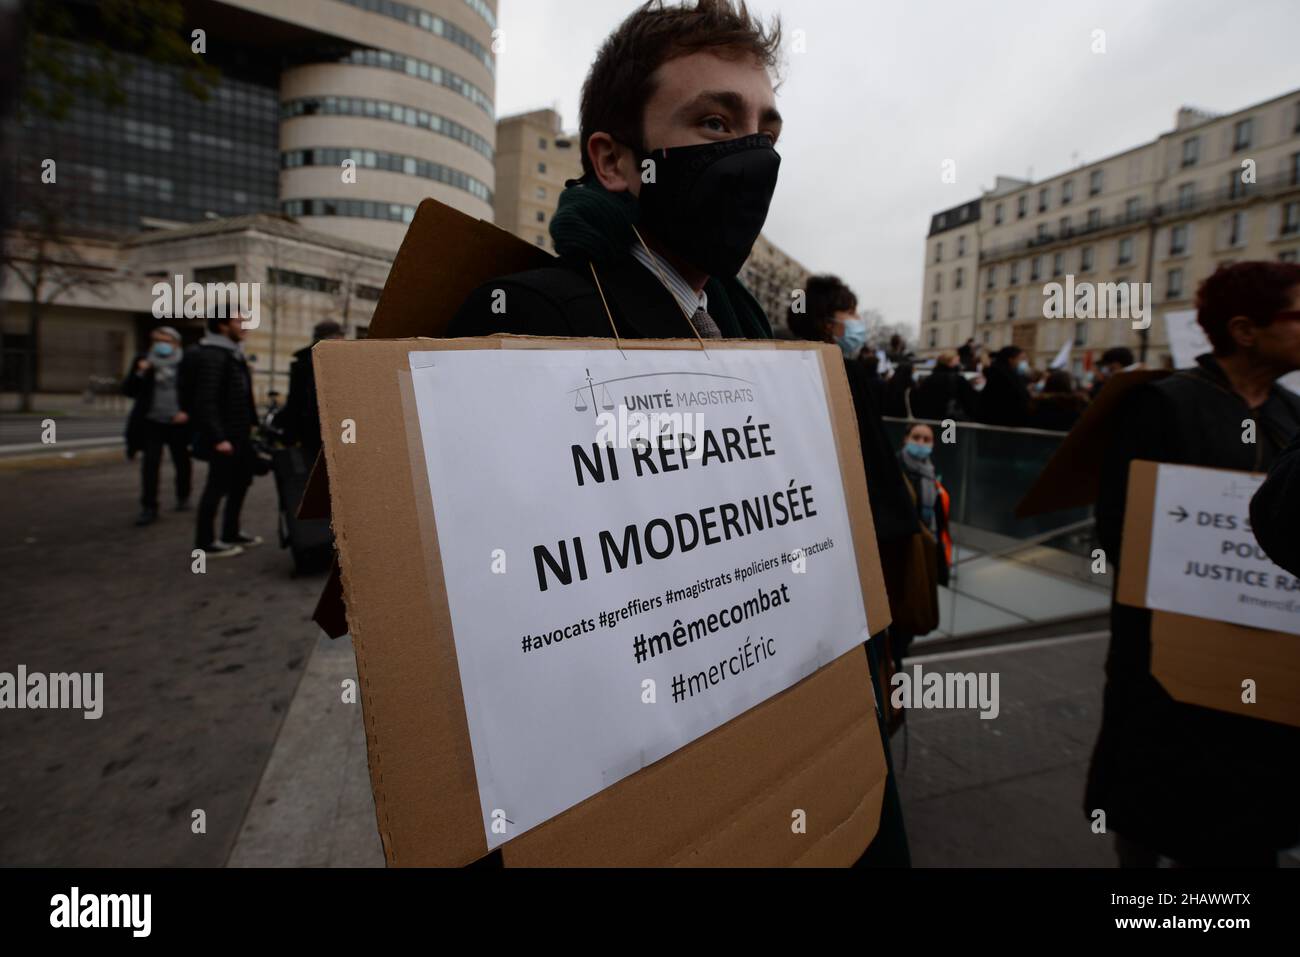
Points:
x=157, y=421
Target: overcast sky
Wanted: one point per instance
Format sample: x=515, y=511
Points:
x=887, y=91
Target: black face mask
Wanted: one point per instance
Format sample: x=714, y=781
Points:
x=708, y=202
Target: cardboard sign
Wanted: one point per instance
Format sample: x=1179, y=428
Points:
x=669, y=546
x=809, y=755
x=1209, y=590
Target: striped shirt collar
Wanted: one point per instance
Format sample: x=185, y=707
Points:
x=686, y=297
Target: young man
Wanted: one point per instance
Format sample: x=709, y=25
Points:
x=157, y=420
x=224, y=414
x=1202, y=787
x=678, y=128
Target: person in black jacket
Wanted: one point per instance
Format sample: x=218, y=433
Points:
x=944, y=393
x=1200, y=786
x=1275, y=511
x=678, y=133
x=157, y=420
x=1059, y=405
x=299, y=420
x=1005, y=398
x=224, y=415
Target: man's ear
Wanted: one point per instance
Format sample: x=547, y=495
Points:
x=611, y=162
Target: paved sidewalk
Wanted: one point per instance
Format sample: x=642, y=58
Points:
x=314, y=806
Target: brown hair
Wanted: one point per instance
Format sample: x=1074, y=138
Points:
x=1257, y=290
x=621, y=80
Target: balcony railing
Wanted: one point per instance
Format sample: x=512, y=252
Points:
x=1268, y=188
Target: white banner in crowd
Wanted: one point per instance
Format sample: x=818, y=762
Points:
x=1205, y=561
x=1186, y=338
x=612, y=603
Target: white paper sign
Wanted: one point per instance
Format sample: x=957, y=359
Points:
x=1186, y=338
x=611, y=603
x=1205, y=561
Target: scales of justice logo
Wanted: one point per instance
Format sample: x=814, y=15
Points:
x=595, y=396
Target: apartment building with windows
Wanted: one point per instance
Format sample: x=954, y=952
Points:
x=1211, y=191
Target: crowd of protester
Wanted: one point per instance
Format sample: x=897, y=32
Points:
x=999, y=388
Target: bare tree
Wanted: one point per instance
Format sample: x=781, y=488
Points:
x=47, y=263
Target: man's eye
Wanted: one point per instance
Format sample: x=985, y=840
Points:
x=715, y=123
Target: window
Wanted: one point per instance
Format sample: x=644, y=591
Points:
x=1234, y=229
x=1014, y=279
x=1085, y=259
x=961, y=246
x=1011, y=306
x=1178, y=240
x=1125, y=250
x=1094, y=182
x=938, y=282
x=934, y=338
x=1241, y=134
x=997, y=211
x=541, y=240
x=934, y=311
x=1022, y=207
x=541, y=168
x=214, y=274
x=1174, y=284
x=541, y=192
x=1288, y=256
x=1236, y=186
x=1094, y=219
x=958, y=278
x=992, y=277
x=1297, y=118
x=1042, y=233
x=938, y=252
x=1065, y=227
x=541, y=142
x=1186, y=196
x=1043, y=196
x=1191, y=151
x=1132, y=208
x=1080, y=333
x=1295, y=169
x=985, y=337
x=1291, y=218
x=541, y=216
x=1036, y=269
x=1058, y=264
x=1067, y=192
x=988, y=310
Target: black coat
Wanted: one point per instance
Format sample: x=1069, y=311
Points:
x=891, y=505
x=1057, y=411
x=221, y=395
x=1275, y=511
x=1005, y=398
x=300, y=417
x=563, y=300
x=1191, y=782
x=138, y=386
x=944, y=394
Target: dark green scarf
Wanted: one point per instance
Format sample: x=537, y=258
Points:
x=595, y=225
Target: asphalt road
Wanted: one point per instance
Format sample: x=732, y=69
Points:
x=198, y=671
